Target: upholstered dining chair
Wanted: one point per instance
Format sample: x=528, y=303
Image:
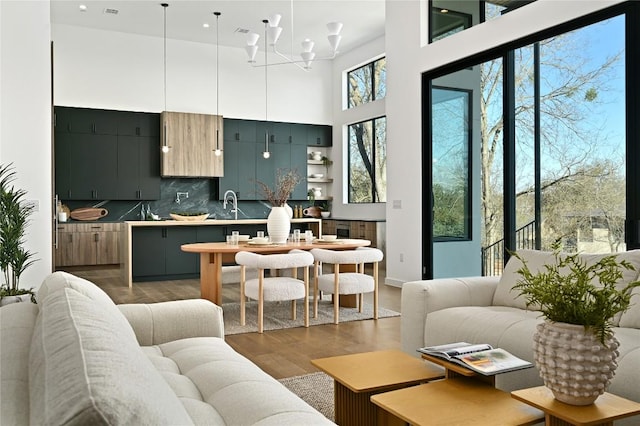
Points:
x=338, y=283
x=274, y=288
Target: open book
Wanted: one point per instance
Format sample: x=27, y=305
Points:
x=482, y=358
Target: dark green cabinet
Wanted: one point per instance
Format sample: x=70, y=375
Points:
x=244, y=163
x=318, y=135
x=156, y=252
x=138, y=168
x=107, y=155
x=86, y=166
x=239, y=130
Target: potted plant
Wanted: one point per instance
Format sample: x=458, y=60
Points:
x=14, y=258
x=579, y=301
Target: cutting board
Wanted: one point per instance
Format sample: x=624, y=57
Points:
x=88, y=213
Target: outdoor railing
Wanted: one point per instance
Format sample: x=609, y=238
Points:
x=493, y=255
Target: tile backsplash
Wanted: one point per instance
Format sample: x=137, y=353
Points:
x=202, y=197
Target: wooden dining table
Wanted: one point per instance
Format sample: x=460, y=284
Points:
x=213, y=255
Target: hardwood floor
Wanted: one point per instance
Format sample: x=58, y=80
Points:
x=281, y=353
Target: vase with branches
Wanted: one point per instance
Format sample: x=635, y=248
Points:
x=286, y=181
x=14, y=218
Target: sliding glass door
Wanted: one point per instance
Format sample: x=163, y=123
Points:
x=547, y=151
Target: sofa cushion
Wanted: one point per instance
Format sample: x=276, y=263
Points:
x=631, y=318
x=16, y=327
x=87, y=368
x=213, y=373
x=60, y=279
x=536, y=260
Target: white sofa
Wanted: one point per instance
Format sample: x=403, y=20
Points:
x=77, y=358
x=485, y=310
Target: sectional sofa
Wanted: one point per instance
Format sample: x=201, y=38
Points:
x=77, y=358
x=485, y=310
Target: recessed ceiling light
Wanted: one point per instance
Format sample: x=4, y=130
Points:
x=205, y=25
x=83, y=8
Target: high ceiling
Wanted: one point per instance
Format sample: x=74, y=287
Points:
x=363, y=19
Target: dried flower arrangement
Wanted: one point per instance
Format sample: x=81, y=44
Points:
x=286, y=182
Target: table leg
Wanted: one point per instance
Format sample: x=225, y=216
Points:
x=211, y=277
x=551, y=420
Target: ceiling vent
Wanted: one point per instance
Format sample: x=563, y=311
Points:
x=110, y=11
x=241, y=30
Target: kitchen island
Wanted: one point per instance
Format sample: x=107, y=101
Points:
x=151, y=249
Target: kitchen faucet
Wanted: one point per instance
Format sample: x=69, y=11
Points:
x=234, y=199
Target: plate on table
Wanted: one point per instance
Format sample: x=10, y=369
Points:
x=320, y=240
x=259, y=243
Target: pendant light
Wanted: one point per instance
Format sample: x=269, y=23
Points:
x=217, y=151
x=266, y=154
x=165, y=145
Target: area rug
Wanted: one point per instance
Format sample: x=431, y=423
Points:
x=277, y=315
x=316, y=389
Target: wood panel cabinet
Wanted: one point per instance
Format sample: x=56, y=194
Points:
x=191, y=139
x=86, y=244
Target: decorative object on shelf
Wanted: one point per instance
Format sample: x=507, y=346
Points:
x=278, y=225
x=575, y=349
x=312, y=211
x=88, y=213
x=325, y=215
x=217, y=151
x=14, y=258
x=317, y=192
x=316, y=155
x=191, y=217
x=307, y=56
x=326, y=162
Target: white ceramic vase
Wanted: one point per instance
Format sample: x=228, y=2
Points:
x=573, y=363
x=278, y=225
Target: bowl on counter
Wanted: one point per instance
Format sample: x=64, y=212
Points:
x=325, y=214
x=189, y=217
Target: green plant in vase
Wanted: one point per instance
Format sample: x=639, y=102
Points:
x=14, y=218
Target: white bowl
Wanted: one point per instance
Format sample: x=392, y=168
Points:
x=325, y=214
x=262, y=240
x=316, y=176
x=329, y=237
x=244, y=237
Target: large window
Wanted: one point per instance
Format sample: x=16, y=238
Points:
x=367, y=83
x=368, y=161
x=451, y=142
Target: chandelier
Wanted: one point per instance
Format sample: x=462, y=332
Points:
x=307, y=55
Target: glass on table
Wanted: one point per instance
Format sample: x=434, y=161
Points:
x=235, y=236
x=296, y=235
x=308, y=236
x=260, y=234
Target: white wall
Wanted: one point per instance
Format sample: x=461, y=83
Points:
x=407, y=59
x=342, y=118
x=25, y=119
x=110, y=70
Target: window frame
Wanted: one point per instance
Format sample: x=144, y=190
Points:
x=373, y=82
x=348, y=146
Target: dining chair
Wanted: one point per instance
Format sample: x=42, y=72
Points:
x=274, y=288
x=338, y=283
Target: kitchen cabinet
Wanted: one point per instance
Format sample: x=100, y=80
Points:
x=88, y=244
x=192, y=141
x=240, y=169
x=119, y=161
x=138, y=168
x=318, y=135
x=299, y=134
x=156, y=252
x=239, y=130
x=86, y=166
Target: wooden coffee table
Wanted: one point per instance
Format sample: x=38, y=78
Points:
x=359, y=376
x=603, y=412
x=460, y=401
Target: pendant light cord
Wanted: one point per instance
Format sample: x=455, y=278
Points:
x=165, y=5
